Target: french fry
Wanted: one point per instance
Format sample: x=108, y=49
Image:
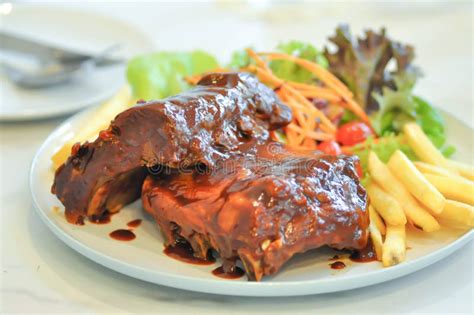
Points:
x=433, y=169
x=377, y=242
x=465, y=170
x=387, y=206
x=422, y=146
x=455, y=188
x=414, y=212
x=377, y=220
x=376, y=229
x=394, y=247
x=415, y=182
x=458, y=212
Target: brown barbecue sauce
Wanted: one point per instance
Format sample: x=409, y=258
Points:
x=134, y=223
x=338, y=265
x=104, y=218
x=234, y=274
x=183, y=252
x=122, y=235
x=367, y=254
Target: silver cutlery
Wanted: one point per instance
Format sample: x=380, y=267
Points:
x=54, y=65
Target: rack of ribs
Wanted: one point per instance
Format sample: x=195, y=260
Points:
x=197, y=127
x=261, y=207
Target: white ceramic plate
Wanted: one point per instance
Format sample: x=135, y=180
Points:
x=81, y=31
x=143, y=258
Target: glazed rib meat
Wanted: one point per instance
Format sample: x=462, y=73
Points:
x=261, y=207
x=200, y=126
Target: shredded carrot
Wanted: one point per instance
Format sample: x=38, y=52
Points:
x=303, y=100
x=327, y=78
x=309, y=124
x=312, y=134
x=269, y=77
x=259, y=61
x=309, y=143
x=305, y=113
x=327, y=95
x=193, y=79
x=335, y=111
x=301, y=86
x=266, y=76
x=290, y=136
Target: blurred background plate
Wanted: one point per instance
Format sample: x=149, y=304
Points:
x=78, y=30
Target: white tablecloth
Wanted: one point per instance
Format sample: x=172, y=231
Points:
x=39, y=274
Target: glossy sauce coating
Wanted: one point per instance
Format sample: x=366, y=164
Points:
x=200, y=126
x=262, y=207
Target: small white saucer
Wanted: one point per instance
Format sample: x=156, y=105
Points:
x=79, y=30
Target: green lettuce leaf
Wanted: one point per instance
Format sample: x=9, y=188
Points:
x=399, y=106
x=288, y=70
x=384, y=148
x=395, y=106
x=239, y=59
x=159, y=75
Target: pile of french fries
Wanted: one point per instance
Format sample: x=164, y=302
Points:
x=422, y=194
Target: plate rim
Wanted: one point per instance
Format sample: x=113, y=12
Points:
x=35, y=114
x=236, y=288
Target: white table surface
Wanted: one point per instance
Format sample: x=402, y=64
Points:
x=39, y=274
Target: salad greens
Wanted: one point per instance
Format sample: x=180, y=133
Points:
x=288, y=70
x=400, y=106
x=284, y=69
x=239, y=59
x=159, y=75
x=363, y=64
x=378, y=70
x=384, y=148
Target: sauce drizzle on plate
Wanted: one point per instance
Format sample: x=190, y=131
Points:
x=183, y=252
x=122, y=235
x=134, y=223
x=338, y=265
x=367, y=254
x=234, y=274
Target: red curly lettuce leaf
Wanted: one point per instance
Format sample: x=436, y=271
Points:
x=363, y=63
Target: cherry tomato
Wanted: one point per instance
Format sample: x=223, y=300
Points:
x=330, y=147
x=352, y=133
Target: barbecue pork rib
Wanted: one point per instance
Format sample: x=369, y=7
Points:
x=196, y=127
x=262, y=207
